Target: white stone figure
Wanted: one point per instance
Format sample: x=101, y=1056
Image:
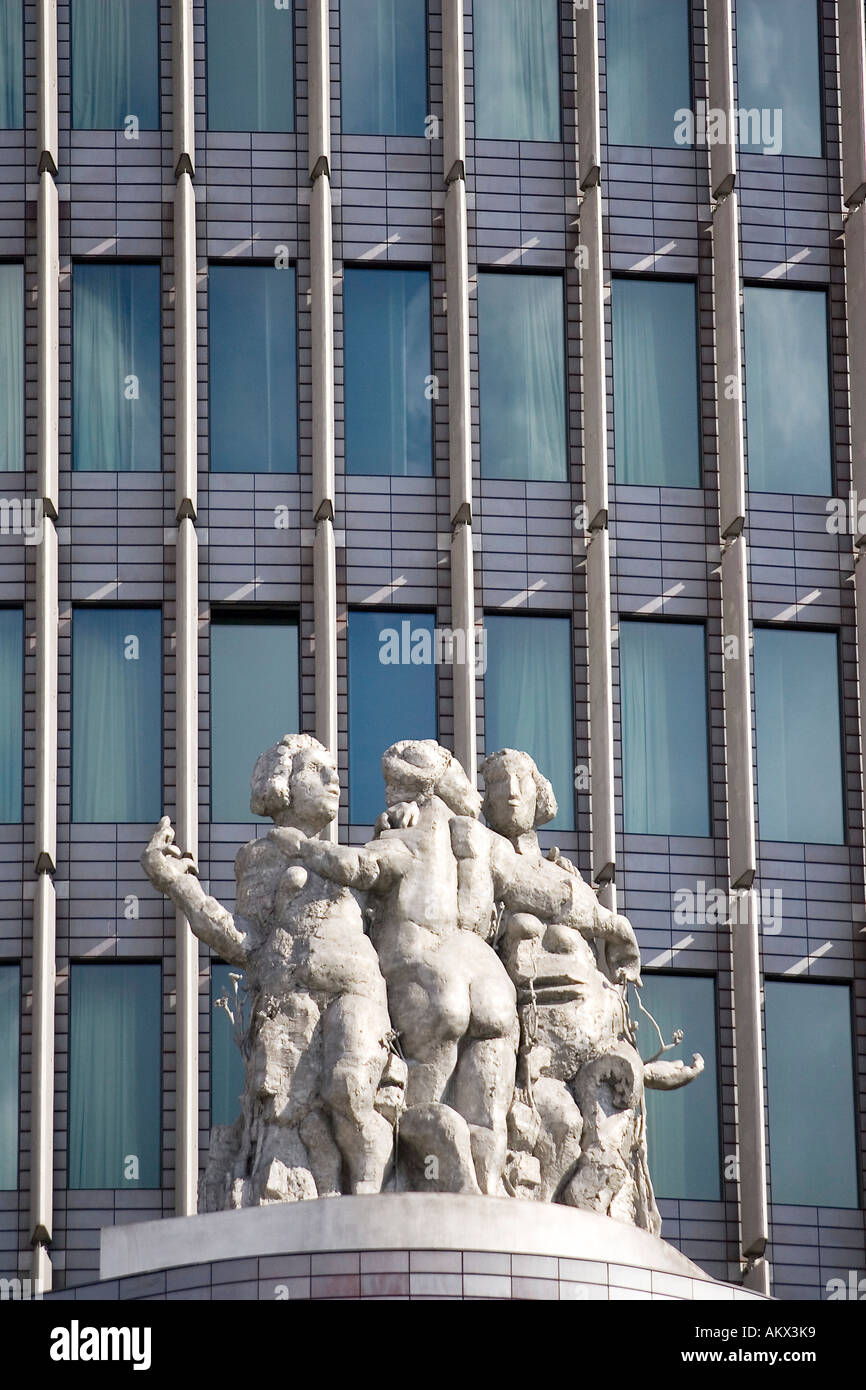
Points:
x=449, y=996
x=322, y=1086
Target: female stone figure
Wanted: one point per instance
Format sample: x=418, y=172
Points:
x=319, y=1072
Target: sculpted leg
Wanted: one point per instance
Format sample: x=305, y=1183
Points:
x=354, y=1057
x=482, y=1091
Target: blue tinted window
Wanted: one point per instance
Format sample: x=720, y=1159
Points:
x=10, y=1030
x=528, y=699
x=11, y=64
x=521, y=366
x=116, y=714
x=663, y=695
x=226, y=1062
x=115, y=64
x=387, y=372
x=11, y=713
x=788, y=390
x=648, y=69
x=116, y=368
x=516, y=55
x=250, y=66
x=798, y=736
x=392, y=696
x=248, y=715
x=810, y=1094
x=683, y=1125
x=655, y=374
x=11, y=368
x=779, y=77
x=253, y=369
x=115, y=1022
x=383, y=69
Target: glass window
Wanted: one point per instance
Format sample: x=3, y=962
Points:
x=647, y=47
x=392, y=695
x=683, y=1125
x=116, y=368
x=655, y=374
x=810, y=1094
x=10, y=1030
x=253, y=369
x=250, y=66
x=528, y=699
x=11, y=714
x=383, y=73
x=248, y=716
x=116, y=714
x=226, y=1062
x=779, y=76
x=665, y=756
x=521, y=368
x=115, y=65
x=516, y=48
x=798, y=736
x=387, y=372
x=115, y=1024
x=11, y=368
x=788, y=390
x=11, y=64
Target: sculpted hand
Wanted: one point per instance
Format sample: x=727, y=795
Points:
x=400, y=817
x=163, y=862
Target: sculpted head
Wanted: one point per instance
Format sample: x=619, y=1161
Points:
x=517, y=798
x=416, y=769
x=296, y=783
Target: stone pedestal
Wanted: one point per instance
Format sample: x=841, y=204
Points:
x=409, y=1245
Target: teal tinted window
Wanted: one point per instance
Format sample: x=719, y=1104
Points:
x=116, y=415
x=11, y=64
x=386, y=317
x=798, y=736
x=115, y=64
x=11, y=368
x=516, y=55
x=254, y=702
x=648, y=69
x=383, y=69
x=10, y=1031
x=11, y=713
x=655, y=376
x=115, y=1025
x=779, y=76
x=528, y=699
x=788, y=390
x=250, y=66
x=253, y=369
x=392, y=696
x=116, y=714
x=810, y=1094
x=521, y=365
x=683, y=1125
x=663, y=697
x=226, y=1062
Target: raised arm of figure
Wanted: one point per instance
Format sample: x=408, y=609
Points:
x=174, y=874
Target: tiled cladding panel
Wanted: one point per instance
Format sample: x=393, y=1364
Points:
x=117, y=543
x=404, y=1275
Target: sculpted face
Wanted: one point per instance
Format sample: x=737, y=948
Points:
x=315, y=790
x=510, y=795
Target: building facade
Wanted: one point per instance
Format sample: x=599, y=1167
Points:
x=487, y=370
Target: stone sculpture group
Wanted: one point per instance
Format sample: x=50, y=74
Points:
x=443, y=1009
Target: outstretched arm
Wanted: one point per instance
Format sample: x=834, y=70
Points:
x=174, y=874
x=669, y=1076
x=371, y=868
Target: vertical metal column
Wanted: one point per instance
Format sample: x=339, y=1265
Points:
x=459, y=416
x=186, y=595
x=591, y=265
x=742, y=852
x=322, y=328
x=45, y=827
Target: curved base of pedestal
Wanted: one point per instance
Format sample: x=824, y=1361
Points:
x=407, y=1245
